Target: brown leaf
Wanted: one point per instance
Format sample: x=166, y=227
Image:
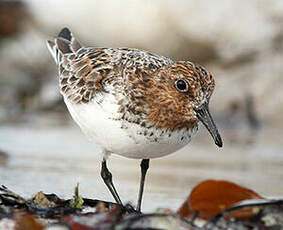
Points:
x=211, y=197
x=28, y=222
x=43, y=200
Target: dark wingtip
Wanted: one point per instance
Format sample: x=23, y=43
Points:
x=65, y=33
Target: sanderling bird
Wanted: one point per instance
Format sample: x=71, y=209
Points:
x=131, y=102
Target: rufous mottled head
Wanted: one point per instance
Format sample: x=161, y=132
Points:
x=178, y=97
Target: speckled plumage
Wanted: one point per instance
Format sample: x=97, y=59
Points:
x=132, y=102
x=139, y=86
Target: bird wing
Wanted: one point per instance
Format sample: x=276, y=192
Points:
x=81, y=69
x=85, y=72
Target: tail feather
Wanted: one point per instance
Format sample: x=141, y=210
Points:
x=52, y=49
x=63, y=44
x=66, y=34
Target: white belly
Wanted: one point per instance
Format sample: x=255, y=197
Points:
x=98, y=122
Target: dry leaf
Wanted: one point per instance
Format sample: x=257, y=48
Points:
x=211, y=197
x=28, y=222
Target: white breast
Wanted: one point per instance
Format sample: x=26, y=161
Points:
x=100, y=123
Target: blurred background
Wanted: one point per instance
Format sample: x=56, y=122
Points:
x=240, y=42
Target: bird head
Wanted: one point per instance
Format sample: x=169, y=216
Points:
x=178, y=97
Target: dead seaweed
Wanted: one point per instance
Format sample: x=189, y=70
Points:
x=37, y=212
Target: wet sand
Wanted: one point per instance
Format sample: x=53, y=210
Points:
x=54, y=159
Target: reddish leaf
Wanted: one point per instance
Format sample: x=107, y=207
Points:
x=77, y=226
x=28, y=222
x=211, y=197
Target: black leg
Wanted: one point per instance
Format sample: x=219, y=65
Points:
x=107, y=178
x=144, y=168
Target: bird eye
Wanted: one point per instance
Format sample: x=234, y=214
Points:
x=182, y=86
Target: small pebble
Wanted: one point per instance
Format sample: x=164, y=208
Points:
x=3, y=157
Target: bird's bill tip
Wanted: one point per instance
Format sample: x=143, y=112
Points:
x=204, y=116
x=218, y=141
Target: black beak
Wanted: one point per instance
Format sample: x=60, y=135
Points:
x=204, y=116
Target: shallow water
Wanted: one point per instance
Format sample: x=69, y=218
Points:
x=55, y=158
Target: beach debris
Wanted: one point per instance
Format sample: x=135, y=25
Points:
x=211, y=205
